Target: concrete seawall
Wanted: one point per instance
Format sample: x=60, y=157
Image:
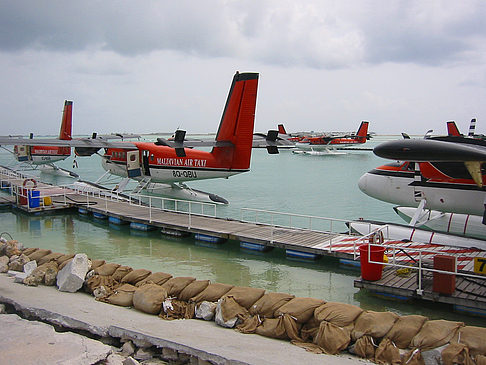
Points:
x=198, y=341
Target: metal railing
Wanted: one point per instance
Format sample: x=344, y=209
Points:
x=409, y=258
x=278, y=220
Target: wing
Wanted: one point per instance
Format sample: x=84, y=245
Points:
x=440, y=149
x=432, y=149
x=79, y=142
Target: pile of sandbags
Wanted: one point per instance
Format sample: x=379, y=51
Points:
x=314, y=324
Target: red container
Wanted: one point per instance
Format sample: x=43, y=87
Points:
x=369, y=270
x=23, y=196
x=444, y=283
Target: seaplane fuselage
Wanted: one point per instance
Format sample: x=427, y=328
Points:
x=39, y=155
x=162, y=165
x=444, y=186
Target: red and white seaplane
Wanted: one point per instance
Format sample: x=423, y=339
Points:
x=169, y=164
x=438, y=182
x=328, y=144
x=46, y=155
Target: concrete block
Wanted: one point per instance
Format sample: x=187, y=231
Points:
x=71, y=277
x=29, y=267
x=20, y=277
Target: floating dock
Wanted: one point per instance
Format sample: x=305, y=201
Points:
x=407, y=275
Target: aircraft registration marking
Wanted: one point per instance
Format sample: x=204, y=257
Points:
x=190, y=162
x=480, y=265
x=187, y=174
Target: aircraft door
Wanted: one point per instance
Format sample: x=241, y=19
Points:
x=22, y=153
x=133, y=164
x=145, y=160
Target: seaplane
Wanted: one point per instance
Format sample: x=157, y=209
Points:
x=166, y=165
x=35, y=153
x=44, y=155
x=330, y=143
x=437, y=182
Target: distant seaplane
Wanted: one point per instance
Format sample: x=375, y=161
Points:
x=330, y=143
x=170, y=163
x=441, y=178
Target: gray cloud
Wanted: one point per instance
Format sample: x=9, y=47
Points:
x=313, y=34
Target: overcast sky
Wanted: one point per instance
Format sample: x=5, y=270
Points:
x=153, y=66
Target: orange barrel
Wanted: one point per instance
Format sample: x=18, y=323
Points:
x=371, y=271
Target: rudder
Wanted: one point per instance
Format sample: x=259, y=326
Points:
x=363, y=129
x=66, y=122
x=237, y=122
x=452, y=129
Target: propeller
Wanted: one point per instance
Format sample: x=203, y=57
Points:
x=271, y=140
x=179, y=137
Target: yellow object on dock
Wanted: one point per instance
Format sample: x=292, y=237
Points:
x=47, y=201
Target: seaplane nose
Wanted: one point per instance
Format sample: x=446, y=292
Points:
x=363, y=182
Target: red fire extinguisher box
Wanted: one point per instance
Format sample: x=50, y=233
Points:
x=444, y=283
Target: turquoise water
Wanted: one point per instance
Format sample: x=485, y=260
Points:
x=311, y=185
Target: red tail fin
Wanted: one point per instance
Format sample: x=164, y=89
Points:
x=452, y=129
x=281, y=129
x=67, y=120
x=363, y=129
x=237, y=122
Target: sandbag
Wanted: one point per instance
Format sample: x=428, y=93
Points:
x=120, y=272
x=62, y=265
x=309, y=330
x=177, y=309
x=375, y=324
x=340, y=314
x=53, y=256
x=249, y=324
x=193, y=289
x=365, y=347
x=97, y=281
x=107, y=269
x=302, y=309
x=29, y=250
x=474, y=338
x=122, y=296
x=149, y=298
x=134, y=276
x=155, y=278
x=331, y=338
x=480, y=360
x=38, y=254
x=175, y=285
x=272, y=327
x=435, y=333
x=456, y=353
x=405, y=329
x=230, y=308
x=212, y=293
x=413, y=357
x=269, y=303
x=232, y=312
x=245, y=296
x=96, y=263
x=60, y=260
x=387, y=353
